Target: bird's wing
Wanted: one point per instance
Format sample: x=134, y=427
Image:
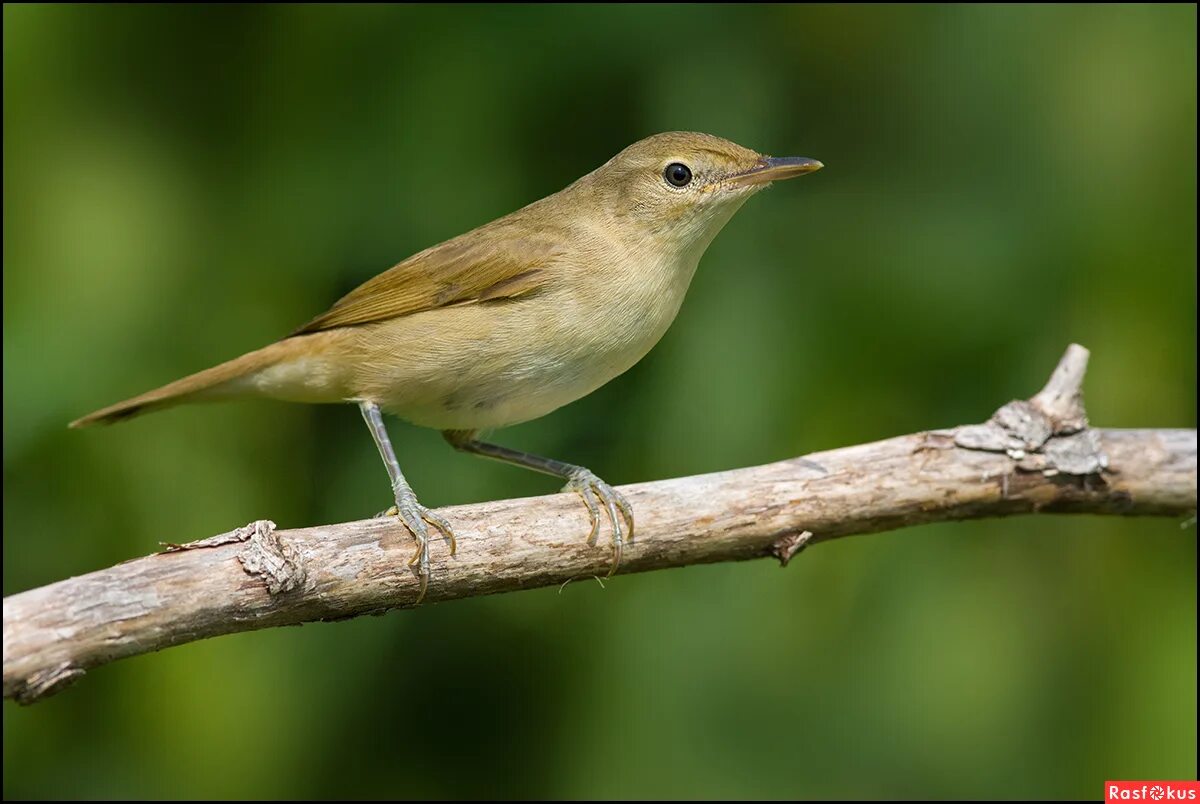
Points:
x=466, y=269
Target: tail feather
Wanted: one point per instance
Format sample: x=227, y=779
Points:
x=207, y=383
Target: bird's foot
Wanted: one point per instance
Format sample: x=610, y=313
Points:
x=597, y=493
x=415, y=517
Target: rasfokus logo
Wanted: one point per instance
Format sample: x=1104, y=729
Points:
x=1151, y=791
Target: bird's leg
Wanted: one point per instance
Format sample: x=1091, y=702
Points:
x=411, y=513
x=595, y=492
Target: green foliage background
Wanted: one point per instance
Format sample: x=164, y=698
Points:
x=183, y=184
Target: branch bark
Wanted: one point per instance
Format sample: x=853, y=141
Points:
x=1031, y=456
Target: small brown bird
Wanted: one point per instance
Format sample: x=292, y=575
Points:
x=511, y=320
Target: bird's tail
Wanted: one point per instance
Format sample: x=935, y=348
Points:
x=215, y=382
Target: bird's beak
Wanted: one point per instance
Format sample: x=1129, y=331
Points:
x=775, y=168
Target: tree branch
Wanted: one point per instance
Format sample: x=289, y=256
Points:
x=1031, y=456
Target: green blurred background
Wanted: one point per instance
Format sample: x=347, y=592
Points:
x=183, y=184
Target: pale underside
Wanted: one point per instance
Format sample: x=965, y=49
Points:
x=475, y=365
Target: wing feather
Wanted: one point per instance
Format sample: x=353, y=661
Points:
x=471, y=268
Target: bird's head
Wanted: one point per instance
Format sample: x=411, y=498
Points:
x=682, y=187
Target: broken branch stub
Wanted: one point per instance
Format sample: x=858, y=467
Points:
x=1047, y=433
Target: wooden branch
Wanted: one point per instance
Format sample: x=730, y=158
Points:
x=1032, y=456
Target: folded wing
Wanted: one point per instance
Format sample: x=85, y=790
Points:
x=459, y=271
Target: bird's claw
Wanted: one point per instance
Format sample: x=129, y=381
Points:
x=415, y=517
x=597, y=493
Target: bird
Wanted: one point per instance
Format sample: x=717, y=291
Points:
x=509, y=321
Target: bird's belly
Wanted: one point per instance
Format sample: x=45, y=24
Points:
x=496, y=396
x=483, y=366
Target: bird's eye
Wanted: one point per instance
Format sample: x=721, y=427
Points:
x=678, y=174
